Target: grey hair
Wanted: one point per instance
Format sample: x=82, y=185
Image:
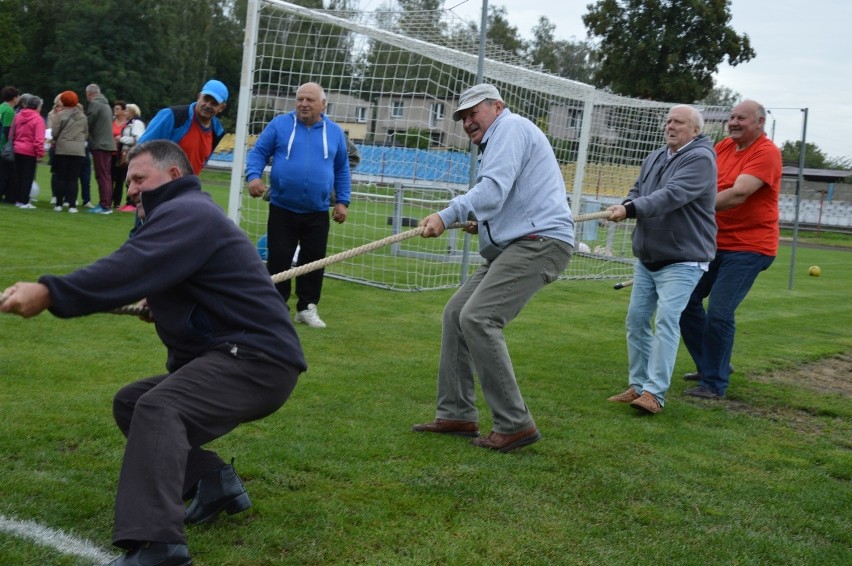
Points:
x=759, y=111
x=164, y=153
x=33, y=102
x=319, y=86
x=93, y=89
x=697, y=118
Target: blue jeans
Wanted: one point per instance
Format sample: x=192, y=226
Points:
x=709, y=336
x=651, y=353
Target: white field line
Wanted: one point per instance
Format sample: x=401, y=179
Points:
x=53, y=538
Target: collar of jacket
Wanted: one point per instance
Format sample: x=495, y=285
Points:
x=169, y=191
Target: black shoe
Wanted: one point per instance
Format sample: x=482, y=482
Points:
x=702, y=392
x=155, y=554
x=220, y=490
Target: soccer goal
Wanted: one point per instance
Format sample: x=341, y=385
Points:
x=392, y=81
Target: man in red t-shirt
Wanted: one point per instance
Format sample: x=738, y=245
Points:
x=749, y=182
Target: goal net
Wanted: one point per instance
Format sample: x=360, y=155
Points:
x=392, y=81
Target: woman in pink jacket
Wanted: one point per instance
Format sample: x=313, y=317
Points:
x=29, y=147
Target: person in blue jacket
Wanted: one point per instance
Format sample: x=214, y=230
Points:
x=309, y=161
x=194, y=127
x=232, y=356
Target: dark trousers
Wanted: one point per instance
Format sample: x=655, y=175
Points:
x=119, y=175
x=86, y=178
x=8, y=187
x=168, y=418
x=25, y=169
x=66, y=171
x=309, y=231
x=709, y=335
x=102, y=160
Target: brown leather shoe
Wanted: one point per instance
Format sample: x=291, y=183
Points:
x=447, y=426
x=506, y=442
x=627, y=397
x=647, y=402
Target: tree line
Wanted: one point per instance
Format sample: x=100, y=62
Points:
x=156, y=53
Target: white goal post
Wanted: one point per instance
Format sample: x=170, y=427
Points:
x=392, y=81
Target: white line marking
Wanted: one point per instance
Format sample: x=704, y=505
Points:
x=53, y=538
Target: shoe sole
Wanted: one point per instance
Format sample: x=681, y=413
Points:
x=450, y=432
x=525, y=441
x=521, y=442
x=646, y=409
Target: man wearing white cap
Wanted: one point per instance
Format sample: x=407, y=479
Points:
x=194, y=127
x=526, y=236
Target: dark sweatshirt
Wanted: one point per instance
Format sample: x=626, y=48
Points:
x=204, y=281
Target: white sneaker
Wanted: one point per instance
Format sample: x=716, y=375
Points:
x=72, y=210
x=52, y=200
x=89, y=205
x=310, y=316
x=57, y=208
x=65, y=204
x=25, y=206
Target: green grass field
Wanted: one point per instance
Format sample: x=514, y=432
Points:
x=337, y=477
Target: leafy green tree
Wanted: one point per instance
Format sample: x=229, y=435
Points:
x=148, y=52
x=721, y=96
x=570, y=59
x=501, y=33
x=664, y=49
x=814, y=156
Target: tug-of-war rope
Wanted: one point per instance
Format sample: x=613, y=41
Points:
x=142, y=311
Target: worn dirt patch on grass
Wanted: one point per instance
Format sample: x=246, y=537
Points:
x=831, y=375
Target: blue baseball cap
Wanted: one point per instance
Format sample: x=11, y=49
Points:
x=216, y=89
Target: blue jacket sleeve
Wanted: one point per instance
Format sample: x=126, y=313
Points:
x=263, y=149
x=161, y=126
x=342, y=176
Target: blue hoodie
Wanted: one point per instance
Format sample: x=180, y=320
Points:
x=308, y=162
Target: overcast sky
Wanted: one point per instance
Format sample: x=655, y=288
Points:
x=804, y=59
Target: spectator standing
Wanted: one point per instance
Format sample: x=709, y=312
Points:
x=310, y=160
x=101, y=145
x=52, y=122
x=673, y=202
x=194, y=127
x=133, y=129
x=118, y=170
x=526, y=236
x=232, y=356
x=70, y=133
x=28, y=140
x=749, y=185
x=8, y=188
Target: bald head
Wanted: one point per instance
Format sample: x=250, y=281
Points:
x=310, y=103
x=746, y=123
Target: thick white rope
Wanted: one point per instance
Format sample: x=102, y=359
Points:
x=319, y=264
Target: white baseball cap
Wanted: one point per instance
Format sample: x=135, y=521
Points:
x=474, y=95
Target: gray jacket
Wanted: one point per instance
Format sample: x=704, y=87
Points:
x=674, y=202
x=99, y=114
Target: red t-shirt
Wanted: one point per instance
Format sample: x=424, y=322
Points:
x=753, y=225
x=198, y=145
